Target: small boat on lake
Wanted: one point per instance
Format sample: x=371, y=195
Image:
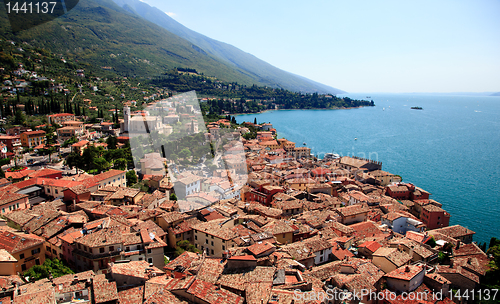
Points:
x=416, y=108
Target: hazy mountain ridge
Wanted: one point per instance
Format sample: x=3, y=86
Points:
x=259, y=70
x=119, y=39
x=100, y=34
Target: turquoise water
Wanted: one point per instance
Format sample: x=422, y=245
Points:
x=450, y=148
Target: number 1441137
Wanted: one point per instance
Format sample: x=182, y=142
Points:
x=30, y=7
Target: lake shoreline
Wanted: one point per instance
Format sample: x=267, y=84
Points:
x=272, y=110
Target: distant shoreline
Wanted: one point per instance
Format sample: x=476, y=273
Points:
x=270, y=110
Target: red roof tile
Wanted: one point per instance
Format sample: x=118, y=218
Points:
x=212, y=294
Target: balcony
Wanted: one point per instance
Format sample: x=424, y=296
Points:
x=132, y=252
x=70, y=297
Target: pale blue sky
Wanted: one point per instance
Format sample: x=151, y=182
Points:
x=360, y=46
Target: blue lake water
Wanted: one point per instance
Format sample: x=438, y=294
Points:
x=451, y=148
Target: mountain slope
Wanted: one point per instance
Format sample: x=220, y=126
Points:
x=100, y=34
x=259, y=70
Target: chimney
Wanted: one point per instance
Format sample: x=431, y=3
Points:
x=458, y=245
x=16, y=290
x=407, y=268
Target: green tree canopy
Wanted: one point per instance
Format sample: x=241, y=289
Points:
x=19, y=118
x=101, y=164
x=120, y=164
x=112, y=142
x=131, y=177
x=185, y=153
x=54, y=267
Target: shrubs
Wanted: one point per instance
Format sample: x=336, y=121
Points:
x=54, y=267
x=185, y=246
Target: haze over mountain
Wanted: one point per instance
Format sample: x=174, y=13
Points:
x=259, y=70
x=120, y=39
x=102, y=35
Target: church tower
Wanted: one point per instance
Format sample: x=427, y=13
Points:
x=126, y=119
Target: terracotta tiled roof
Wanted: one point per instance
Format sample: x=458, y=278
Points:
x=417, y=237
x=134, y=269
x=266, y=211
x=468, y=250
x=306, y=249
x=366, y=229
x=70, y=237
x=105, y=291
x=260, y=248
x=343, y=229
x=19, y=174
x=163, y=296
x=171, y=217
x=44, y=172
x=214, y=215
x=405, y=273
x=339, y=252
x=61, y=115
x=391, y=216
x=184, y=260
x=150, y=226
x=444, y=269
x=352, y=210
x=210, y=270
x=237, y=279
x=20, y=217
x=34, y=133
x=397, y=257
x=214, y=228
x=211, y=294
x=453, y=231
x=132, y=295
x=43, y=217
x=17, y=242
x=278, y=227
x=433, y=208
x=57, y=182
x=371, y=245
x=255, y=292
x=102, y=237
